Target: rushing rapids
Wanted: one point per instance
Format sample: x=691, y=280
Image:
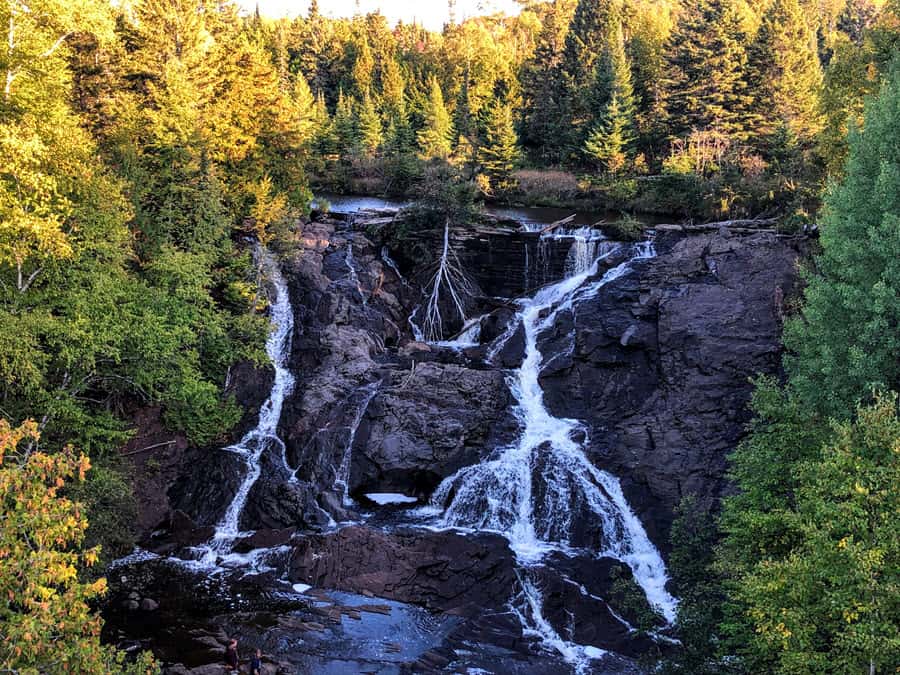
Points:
x=534, y=490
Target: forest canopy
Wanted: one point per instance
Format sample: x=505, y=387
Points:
x=149, y=146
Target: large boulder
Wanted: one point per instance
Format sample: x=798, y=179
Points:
x=427, y=424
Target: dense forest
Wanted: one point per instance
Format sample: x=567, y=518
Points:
x=145, y=145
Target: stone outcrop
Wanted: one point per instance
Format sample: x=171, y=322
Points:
x=659, y=364
x=435, y=419
x=442, y=571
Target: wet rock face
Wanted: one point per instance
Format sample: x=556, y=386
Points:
x=442, y=571
x=659, y=364
x=432, y=421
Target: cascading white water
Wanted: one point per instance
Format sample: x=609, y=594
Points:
x=530, y=490
x=342, y=477
x=390, y=262
x=252, y=446
x=351, y=270
x=585, y=248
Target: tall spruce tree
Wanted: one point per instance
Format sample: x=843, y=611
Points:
x=368, y=124
x=706, y=61
x=608, y=142
x=584, y=44
x=343, y=125
x=499, y=151
x=543, y=89
x=612, y=99
x=435, y=136
x=784, y=75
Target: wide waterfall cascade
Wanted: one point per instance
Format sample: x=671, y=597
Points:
x=534, y=490
x=264, y=436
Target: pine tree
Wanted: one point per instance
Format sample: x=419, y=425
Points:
x=393, y=89
x=435, y=137
x=584, y=43
x=323, y=140
x=784, y=73
x=847, y=341
x=346, y=133
x=499, y=151
x=612, y=99
x=368, y=124
x=542, y=86
x=610, y=138
x=706, y=62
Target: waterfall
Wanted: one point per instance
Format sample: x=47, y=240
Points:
x=529, y=490
x=389, y=261
x=584, y=250
x=252, y=446
x=342, y=477
x=351, y=270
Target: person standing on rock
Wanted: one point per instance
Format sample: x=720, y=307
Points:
x=256, y=663
x=232, y=662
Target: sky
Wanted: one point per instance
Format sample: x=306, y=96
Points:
x=430, y=13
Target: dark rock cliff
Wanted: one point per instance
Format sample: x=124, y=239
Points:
x=657, y=367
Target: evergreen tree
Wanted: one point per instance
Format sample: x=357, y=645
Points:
x=343, y=125
x=323, y=142
x=435, y=137
x=542, y=85
x=612, y=100
x=499, y=152
x=784, y=73
x=649, y=28
x=584, y=43
x=371, y=134
x=847, y=341
x=706, y=62
x=612, y=77
x=393, y=89
x=609, y=140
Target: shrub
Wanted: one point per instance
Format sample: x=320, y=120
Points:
x=546, y=186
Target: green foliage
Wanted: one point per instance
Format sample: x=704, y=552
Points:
x=499, y=150
x=846, y=342
x=107, y=497
x=831, y=603
x=698, y=587
x=46, y=624
x=784, y=73
x=629, y=600
x=435, y=136
x=706, y=63
x=371, y=135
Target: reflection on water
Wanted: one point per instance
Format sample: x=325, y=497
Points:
x=529, y=215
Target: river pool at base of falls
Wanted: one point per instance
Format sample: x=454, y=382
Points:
x=525, y=492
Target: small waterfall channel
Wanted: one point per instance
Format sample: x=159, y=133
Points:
x=265, y=435
x=538, y=490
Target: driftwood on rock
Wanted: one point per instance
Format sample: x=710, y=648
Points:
x=737, y=225
x=559, y=223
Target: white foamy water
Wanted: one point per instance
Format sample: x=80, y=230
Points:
x=534, y=490
x=387, y=498
x=252, y=446
x=342, y=475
